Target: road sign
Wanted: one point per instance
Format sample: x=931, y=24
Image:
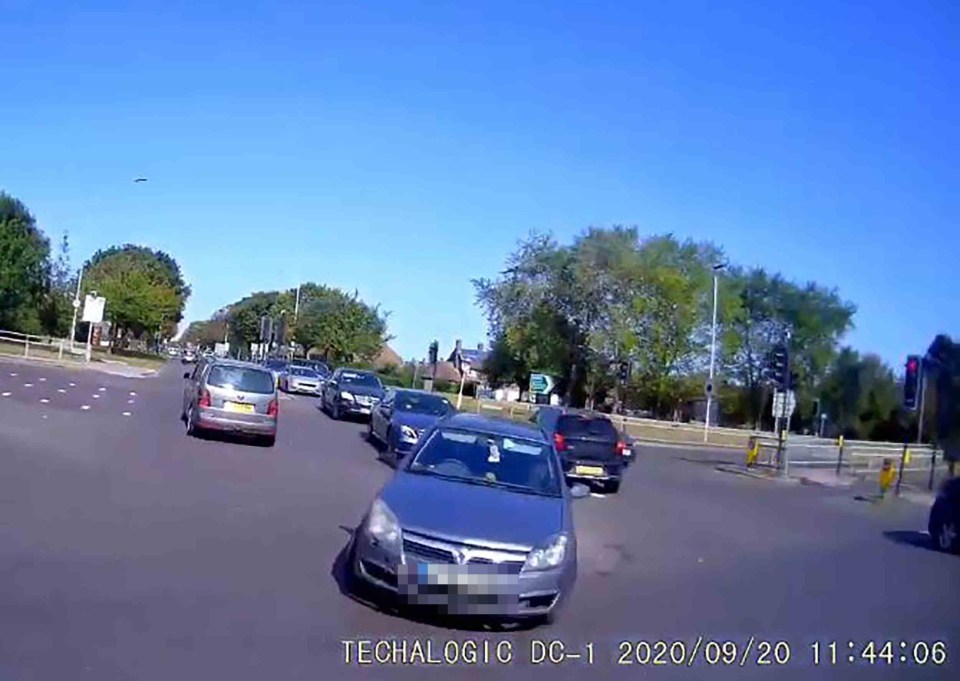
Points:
x=93, y=309
x=76, y=303
x=541, y=384
x=781, y=409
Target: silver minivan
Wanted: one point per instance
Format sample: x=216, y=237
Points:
x=230, y=396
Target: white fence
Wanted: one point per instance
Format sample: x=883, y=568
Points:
x=39, y=347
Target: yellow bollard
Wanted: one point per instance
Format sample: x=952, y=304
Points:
x=753, y=450
x=906, y=458
x=887, y=476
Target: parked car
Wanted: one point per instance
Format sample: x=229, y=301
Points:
x=299, y=379
x=230, y=396
x=590, y=447
x=189, y=356
x=476, y=521
x=944, y=523
x=351, y=391
x=276, y=366
x=314, y=364
x=402, y=417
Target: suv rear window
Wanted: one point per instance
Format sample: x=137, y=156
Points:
x=576, y=425
x=241, y=379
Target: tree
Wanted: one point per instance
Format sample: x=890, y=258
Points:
x=943, y=358
x=861, y=397
x=759, y=310
x=57, y=310
x=24, y=267
x=144, y=288
x=339, y=326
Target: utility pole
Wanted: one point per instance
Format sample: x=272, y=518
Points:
x=76, y=309
x=713, y=353
x=296, y=306
x=922, y=387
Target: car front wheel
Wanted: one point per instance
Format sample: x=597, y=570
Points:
x=945, y=534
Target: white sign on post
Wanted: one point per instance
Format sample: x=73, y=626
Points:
x=781, y=409
x=93, y=309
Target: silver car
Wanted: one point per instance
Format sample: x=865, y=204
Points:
x=476, y=521
x=300, y=380
x=230, y=396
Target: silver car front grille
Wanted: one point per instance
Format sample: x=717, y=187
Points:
x=430, y=550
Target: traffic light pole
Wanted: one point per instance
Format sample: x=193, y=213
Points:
x=783, y=460
x=922, y=383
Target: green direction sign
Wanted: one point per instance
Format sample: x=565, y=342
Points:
x=540, y=384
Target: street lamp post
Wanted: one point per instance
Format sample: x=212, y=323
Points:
x=713, y=352
x=76, y=309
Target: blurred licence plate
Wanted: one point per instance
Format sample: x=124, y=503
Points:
x=595, y=471
x=238, y=408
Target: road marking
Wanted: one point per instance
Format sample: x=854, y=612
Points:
x=133, y=393
x=42, y=379
x=28, y=385
x=95, y=396
x=72, y=385
x=102, y=389
x=6, y=394
x=126, y=413
x=44, y=400
x=13, y=373
x=130, y=401
x=85, y=407
x=44, y=416
x=61, y=390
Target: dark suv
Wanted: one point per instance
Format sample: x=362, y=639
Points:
x=944, y=525
x=590, y=447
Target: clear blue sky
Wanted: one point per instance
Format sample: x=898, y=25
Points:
x=403, y=147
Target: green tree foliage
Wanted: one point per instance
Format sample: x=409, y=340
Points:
x=861, y=397
x=759, y=309
x=943, y=362
x=24, y=267
x=330, y=322
x=57, y=310
x=206, y=333
x=144, y=288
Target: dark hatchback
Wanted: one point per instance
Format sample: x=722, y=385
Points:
x=351, y=392
x=403, y=417
x=590, y=447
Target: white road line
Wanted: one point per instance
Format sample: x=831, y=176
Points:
x=126, y=413
x=13, y=373
x=61, y=390
x=85, y=407
x=130, y=401
x=42, y=379
x=95, y=396
x=28, y=385
x=72, y=385
x=133, y=393
x=44, y=400
x=6, y=394
x=102, y=389
x=44, y=416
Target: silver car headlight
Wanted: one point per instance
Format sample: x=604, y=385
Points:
x=346, y=396
x=383, y=526
x=549, y=554
x=408, y=434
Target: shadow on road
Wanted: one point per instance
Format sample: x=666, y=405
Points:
x=920, y=540
x=233, y=438
x=388, y=604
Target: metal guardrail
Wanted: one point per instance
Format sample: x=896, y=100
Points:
x=33, y=346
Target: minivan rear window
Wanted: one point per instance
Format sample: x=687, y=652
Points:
x=575, y=425
x=241, y=379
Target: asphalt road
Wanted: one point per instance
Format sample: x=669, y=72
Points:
x=130, y=551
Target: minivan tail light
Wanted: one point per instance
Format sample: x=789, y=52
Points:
x=621, y=448
x=272, y=408
x=559, y=442
x=204, y=400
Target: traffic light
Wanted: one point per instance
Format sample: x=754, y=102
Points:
x=911, y=382
x=780, y=366
x=266, y=328
x=434, y=351
x=624, y=372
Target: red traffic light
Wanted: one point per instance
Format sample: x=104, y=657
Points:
x=912, y=365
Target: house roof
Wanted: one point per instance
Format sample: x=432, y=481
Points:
x=387, y=357
x=471, y=356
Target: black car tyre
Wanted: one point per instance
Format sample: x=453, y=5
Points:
x=335, y=412
x=268, y=440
